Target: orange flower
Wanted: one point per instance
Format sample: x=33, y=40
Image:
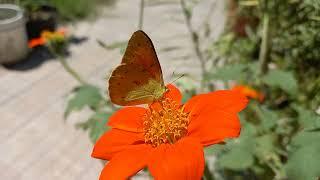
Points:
x=249, y=92
x=36, y=42
x=168, y=137
x=47, y=36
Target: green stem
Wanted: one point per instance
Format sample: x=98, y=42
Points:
x=67, y=67
x=141, y=14
x=264, y=48
x=207, y=174
x=72, y=72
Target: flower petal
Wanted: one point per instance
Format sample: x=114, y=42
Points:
x=126, y=163
x=173, y=93
x=115, y=141
x=182, y=160
x=128, y=119
x=226, y=100
x=212, y=126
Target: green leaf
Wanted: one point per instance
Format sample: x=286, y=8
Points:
x=188, y=87
x=268, y=117
x=237, y=159
x=265, y=145
x=303, y=164
x=229, y=72
x=96, y=125
x=86, y=95
x=283, y=80
x=240, y=155
x=307, y=119
x=304, y=138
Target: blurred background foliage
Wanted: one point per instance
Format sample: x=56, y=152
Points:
x=274, y=47
x=269, y=45
x=68, y=10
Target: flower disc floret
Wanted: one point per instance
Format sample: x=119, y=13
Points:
x=166, y=125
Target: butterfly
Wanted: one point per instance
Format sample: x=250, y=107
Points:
x=138, y=79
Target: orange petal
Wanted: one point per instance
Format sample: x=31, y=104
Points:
x=128, y=119
x=115, y=141
x=126, y=163
x=36, y=42
x=212, y=126
x=226, y=100
x=173, y=93
x=182, y=160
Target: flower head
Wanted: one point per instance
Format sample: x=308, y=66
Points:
x=168, y=137
x=48, y=36
x=249, y=92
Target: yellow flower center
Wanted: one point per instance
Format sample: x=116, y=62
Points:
x=165, y=125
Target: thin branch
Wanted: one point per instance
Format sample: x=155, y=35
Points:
x=195, y=40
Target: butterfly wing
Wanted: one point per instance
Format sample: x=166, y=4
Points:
x=138, y=79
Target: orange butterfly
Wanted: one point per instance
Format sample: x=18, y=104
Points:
x=138, y=79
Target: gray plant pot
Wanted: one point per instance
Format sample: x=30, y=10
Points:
x=13, y=38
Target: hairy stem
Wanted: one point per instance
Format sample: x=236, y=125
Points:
x=195, y=41
x=140, y=25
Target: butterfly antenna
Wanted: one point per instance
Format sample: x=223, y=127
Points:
x=182, y=75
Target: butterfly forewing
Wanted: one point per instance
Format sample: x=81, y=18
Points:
x=140, y=50
x=138, y=79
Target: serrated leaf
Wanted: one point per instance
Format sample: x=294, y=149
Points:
x=283, y=80
x=303, y=164
x=229, y=72
x=86, y=95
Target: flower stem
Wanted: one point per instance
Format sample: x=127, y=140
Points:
x=72, y=72
x=207, y=174
x=140, y=25
x=264, y=48
x=67, y=67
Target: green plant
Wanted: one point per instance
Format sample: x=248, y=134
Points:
x=279, y=137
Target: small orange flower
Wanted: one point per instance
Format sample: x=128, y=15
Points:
x=36, y=42
x=249, y=92
x=168, y=137
x=47, y=36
